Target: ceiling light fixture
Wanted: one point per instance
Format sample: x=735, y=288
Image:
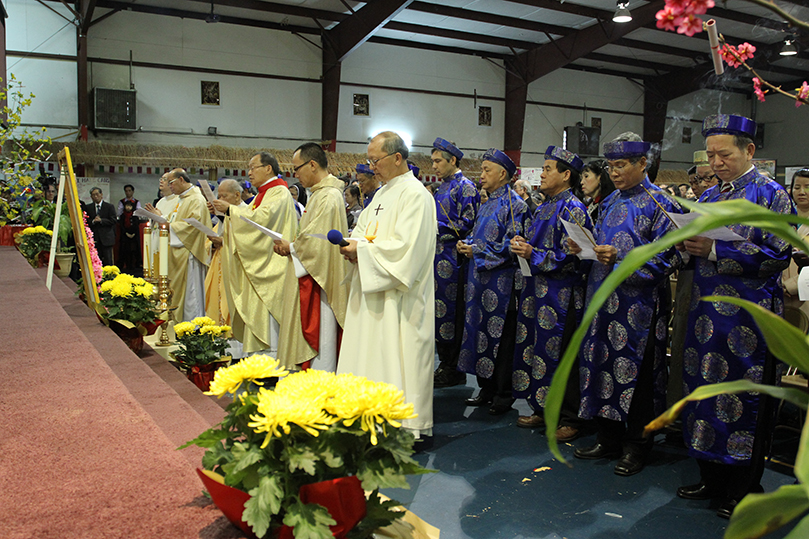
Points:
x=622, y=14
x=212, y=17
x=789, y=48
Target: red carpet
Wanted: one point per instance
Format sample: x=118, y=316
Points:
x=88, y=444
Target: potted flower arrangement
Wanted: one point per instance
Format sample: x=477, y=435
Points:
x=293, y=461
x=126, y=307
x=202, y=349
x=34, y=244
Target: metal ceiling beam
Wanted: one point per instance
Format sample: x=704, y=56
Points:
x=460, y=36
x=634, y=62
x=489, y=18
x=567, y=7
x=355, y=30
x=283, y=9
x=86, y=10
x=663, y=49
x=338, y=43
x=538, y=62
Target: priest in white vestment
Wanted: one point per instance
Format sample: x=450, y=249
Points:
x=164, y=206
x=389, y=331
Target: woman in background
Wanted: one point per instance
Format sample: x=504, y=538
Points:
x=596, y=185
x=353, y=206
x=800, y=195
x=299, y=196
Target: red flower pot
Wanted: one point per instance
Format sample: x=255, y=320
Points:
x=342, y=497
x=202, y=375
x=131, y=336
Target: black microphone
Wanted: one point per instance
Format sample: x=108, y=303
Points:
x=336, y=237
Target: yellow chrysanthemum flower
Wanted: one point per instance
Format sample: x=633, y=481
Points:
x=310, y=384
x=249, y=369
x=110, y=270
x=203, y=321
x=369, y=402
x=183, y=327
x=277, y=412
x=121, y=289
x=225, y=329
x=106, y=286
x=145, y=290
x=212, y=330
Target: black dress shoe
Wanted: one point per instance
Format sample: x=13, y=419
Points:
x=700, y=491
x=448, y=378
x=480, y=400
x=597, y=451
x=726, y=509
x=630, y=464
x=499, y=409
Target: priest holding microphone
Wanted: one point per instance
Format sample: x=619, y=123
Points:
x=389, y=331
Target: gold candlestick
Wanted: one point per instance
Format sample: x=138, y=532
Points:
x=164, y=294
x=147, y=252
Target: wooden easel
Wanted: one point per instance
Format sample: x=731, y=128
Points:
x=77, y=222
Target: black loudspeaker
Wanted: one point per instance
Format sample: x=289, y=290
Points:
x=583, y=141
x=759, y=140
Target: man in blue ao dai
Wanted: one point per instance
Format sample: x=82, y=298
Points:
x=552, y=299
x=493, y=286
x=729, y=434
x=457, y=202
x=623, y=365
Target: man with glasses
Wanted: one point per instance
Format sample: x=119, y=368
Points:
x=369, y=183
x=456, y=203
x=729, y=434
x=311, y=327
x=188, y=251
x=389, y=330
x=623, y=367
x=255, y=278
x=703, y=178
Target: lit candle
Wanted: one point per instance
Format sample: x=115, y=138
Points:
x=147, y=251
x=164, y=250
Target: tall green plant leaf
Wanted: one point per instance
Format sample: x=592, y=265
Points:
x=785, y=341
x=802, y=459
x=712, y=216
x=795, y=396
x=760, y=514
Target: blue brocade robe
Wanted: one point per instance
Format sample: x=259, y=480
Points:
x=723, y=342
x=614, y=348
x=492, y=275
x=545, y=299
x=456, y=202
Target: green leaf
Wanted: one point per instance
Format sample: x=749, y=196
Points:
x=265, y=502
x=785, y=341
x=301, y=459
x=801, y=530
x=714, y=215
x=330, y=459
x=381, y=474
x=760, y=514
x=795, y=396
x=378, y=515
x=245, y=455
x=209, y=438
x=310, y=521
x=802, y=459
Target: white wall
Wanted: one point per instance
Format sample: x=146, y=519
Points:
x=786, y=132
x=689, y=111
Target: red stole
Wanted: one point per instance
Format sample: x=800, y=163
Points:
x=263, y=189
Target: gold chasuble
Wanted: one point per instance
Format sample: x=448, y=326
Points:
x=255, y=275
x=216, y=304
x=389, y=333
x=324, y=263
x=190, y=204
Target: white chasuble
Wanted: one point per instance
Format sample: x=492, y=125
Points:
x=389, y=333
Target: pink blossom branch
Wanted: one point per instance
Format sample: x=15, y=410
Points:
x=769, y=4
x=778, y=89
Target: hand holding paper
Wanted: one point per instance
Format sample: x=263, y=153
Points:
x=140, y=212
x=583, y=238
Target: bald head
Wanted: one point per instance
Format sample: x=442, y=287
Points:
x=230, y=191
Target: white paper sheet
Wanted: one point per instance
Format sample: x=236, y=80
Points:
x=202, y=228
x=803, y=284
x=140, y=212
x=525, y=269
x=271, y=233
x=583, y=238
x=321, y=236
x=208, y=194
x=722, y=233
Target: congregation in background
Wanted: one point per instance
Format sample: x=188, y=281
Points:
x=382, y=277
